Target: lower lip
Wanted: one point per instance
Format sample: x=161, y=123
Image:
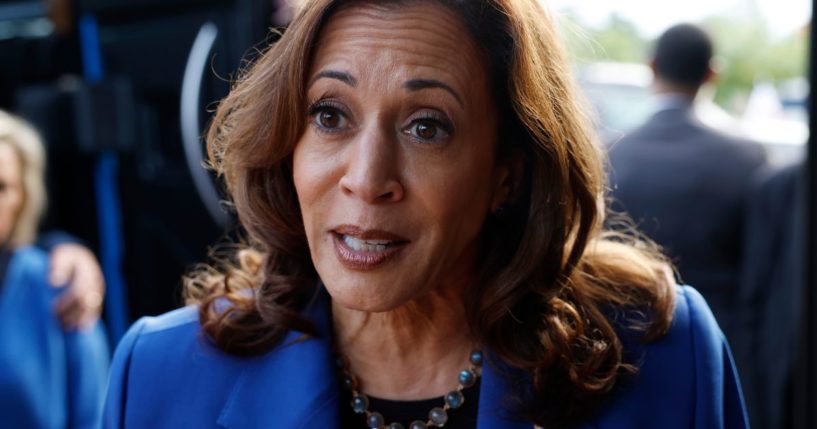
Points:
x=360, y=260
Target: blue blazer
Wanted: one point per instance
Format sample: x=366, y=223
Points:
x=49, y=378
x=166, y=374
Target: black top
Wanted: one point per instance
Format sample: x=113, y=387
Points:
x=405, y=412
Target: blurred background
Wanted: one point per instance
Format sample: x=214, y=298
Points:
x=761, y=60
x=121, y=91
x=739, y=231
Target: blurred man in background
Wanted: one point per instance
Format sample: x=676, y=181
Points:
x=685, y=184
x=771, y=291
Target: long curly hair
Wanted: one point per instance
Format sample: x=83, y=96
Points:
x=553, y=280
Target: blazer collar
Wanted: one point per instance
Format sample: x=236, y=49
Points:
x=494, y=390
x=295, y=385
x=292, y=386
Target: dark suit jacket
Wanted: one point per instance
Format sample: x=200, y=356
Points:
x=771, y=294
x=684, y=185
x=166, y=374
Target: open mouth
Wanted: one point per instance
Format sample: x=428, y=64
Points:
x=360, y=249
x=359, y=245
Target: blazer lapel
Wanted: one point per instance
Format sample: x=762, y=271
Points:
x=494, y=392
x=293, y=386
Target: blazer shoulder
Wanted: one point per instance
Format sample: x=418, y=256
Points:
x=691, y=318
x=692, y=314
x=162, y=342
x=32, y=262
x=686, y=379
x=718, y=396
x=168, y=356
x=690, y=373
x=149, y=334
x=694, y=333
x=166, y=323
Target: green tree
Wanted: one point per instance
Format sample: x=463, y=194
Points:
x=745, y=50
x=618, y=40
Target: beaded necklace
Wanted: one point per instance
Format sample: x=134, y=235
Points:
x=437, y=417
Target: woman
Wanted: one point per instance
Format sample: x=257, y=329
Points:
x=49, y=377
x=423, y=198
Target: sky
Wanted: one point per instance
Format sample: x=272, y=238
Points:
x=652, y=17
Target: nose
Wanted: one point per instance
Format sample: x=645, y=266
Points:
x=372, y=168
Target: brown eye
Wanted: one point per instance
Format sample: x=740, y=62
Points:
x=425, y=130
x=328, y=118
x=429, y=130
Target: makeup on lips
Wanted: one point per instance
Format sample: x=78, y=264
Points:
x=366, y=249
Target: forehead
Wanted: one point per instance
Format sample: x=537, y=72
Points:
x=400, y=42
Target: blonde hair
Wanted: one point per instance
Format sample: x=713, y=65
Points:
x=27, y=144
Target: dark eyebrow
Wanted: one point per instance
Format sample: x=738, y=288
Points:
x=418, y=84
x=334, y=74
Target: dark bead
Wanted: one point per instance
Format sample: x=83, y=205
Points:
x=476, y=358
x=418, y=425
x=438, y=416
x=454, y=399
x=467, y=378
x=396, y=426
x=375, y=420
x=348, y=382
x=360, y=403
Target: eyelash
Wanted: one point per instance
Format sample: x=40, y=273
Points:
x=323, y=105
x=438, y=120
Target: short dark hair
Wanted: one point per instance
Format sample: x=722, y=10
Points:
x=682, y=55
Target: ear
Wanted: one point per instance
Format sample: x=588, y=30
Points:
x=711, y=75
x=508, y=178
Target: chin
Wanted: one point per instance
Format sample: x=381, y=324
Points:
x=367, y=295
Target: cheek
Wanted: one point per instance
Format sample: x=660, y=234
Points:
x=18, y=199
x=11, y=201
x=459, y=195
x=11, y=204
x=312, y=176
x=304, y=182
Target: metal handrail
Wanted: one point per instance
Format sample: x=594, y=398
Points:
x=190, y=125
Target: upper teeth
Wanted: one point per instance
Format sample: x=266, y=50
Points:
x=365, y=245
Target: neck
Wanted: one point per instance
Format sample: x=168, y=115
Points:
x=412, y=352
x=662, y=87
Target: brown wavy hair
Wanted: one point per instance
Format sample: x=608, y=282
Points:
x=553, y=279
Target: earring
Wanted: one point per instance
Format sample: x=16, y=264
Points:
x=501, y=210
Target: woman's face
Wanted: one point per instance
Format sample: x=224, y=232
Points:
x=396, y=171
x=11, y=190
